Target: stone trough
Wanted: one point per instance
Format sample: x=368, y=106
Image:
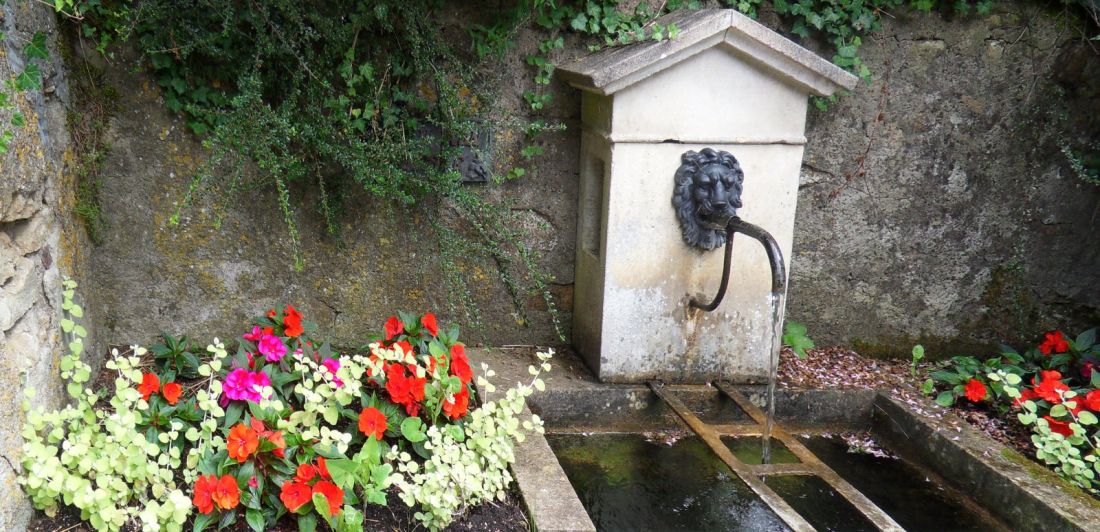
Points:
x=1002, y=488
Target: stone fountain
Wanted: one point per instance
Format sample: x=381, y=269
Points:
x=677, y=137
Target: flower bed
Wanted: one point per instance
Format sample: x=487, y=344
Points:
x=283, y=429
x=1053, y=389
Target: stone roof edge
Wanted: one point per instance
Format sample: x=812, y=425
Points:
x=614, y=69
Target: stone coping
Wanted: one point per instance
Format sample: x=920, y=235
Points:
x=613, y=69
x=1009, y=485
x=552, y=504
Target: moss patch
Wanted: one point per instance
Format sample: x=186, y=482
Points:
x=1046, y=476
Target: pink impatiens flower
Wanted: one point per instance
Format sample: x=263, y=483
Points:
x=244, y=385
x=272, y=348
x=332, y=365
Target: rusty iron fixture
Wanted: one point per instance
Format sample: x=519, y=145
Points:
x=771, y=247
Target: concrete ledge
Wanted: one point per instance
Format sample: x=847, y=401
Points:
x=551, y=503
x=1026, y=495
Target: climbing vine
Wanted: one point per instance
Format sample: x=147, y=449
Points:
x=325, y=99
x=30, y=78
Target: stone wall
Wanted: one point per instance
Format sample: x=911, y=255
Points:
x=936, y=205
x=37, y=244
x=952, y=220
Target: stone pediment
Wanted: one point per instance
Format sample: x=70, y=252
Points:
x=613, y=69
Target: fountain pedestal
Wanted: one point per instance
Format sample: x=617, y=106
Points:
x=726, y=83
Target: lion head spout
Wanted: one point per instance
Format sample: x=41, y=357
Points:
x=707, y=195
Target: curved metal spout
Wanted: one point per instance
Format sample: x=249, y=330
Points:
x=771, y=247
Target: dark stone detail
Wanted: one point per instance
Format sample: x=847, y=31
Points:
x=707, y=196
x=474, y=162
x=471, y=167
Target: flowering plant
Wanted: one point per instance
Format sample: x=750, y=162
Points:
x=285, y=428
x=1053, y=387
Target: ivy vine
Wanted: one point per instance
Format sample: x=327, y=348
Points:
x=349, y=95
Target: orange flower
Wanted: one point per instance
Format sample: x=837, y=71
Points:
x=294, y=495
x=242, y=441
x=226, y=494
x=372, y=422
x=292, y=322
x=149, y=385
x=204, y=486
x=271, y=313
x=332, y=493
x=171, y=392
x=273, y=436
x=305, y=473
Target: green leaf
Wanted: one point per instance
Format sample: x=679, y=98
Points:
x=1058, y=410
x=413, y=429
x=321, y=504
x=1086, y=418
x=945, y=399
x=928, y=387
x=29, y=79
x=343, y=472
x=579, y=23
x=18, y=120
x=255, y=519
x=36, y=49
x=307, y=523
x=950, y=377
x=233, y=413
x=1085, y=340
x=202, y=521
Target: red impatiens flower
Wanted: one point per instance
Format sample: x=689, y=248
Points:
x=271, y=313
x=1092, y=401
x=204, y=486
x=459, y=406
x=1049, y=387
x=150, y=384
x=404, y=388
x=1053, y=343
x=294, y=495
x=171, y=392
x=322, y=468
x=460, y=365
x=226, y=494
x=1060, y=427
x=292, y=322
x=332, y=493
x=372, y=422
x=429, y=324
x=393, y=327
x=975, y=390
x=305, y=473
x=241, y=442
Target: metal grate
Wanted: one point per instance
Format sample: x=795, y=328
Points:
x=753, y=475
